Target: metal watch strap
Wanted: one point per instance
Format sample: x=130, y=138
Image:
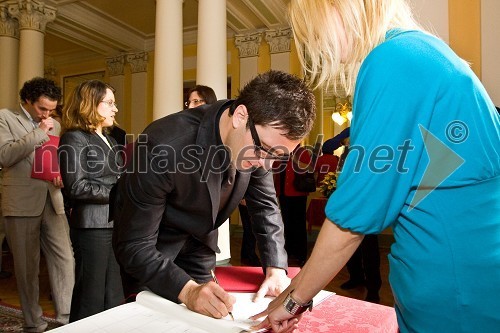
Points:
x=295, y=308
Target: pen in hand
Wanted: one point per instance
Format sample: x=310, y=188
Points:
x=216, y=281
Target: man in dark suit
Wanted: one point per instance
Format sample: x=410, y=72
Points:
x=190, y=171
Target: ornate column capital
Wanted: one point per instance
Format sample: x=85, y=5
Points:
x=279, y=39
x=248, y=44
x=138, y=62
x=116, y=65
x=9, y=27
x=32, y=14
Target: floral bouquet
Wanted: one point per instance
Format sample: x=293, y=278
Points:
x=328, y=184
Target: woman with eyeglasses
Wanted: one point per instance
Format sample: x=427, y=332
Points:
x=90, y=165
x=199, y=95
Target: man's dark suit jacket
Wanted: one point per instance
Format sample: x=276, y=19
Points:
x=172, y=198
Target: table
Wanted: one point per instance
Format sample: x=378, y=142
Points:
x=316, y=212
x=339, y=314
x=153, y=314
x=336, y=314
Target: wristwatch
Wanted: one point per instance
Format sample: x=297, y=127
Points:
x=295, y=308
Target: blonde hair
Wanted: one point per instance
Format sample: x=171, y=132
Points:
x=366, y=22
x=80, y=110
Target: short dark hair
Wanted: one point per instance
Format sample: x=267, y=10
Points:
x=37, y=87
x=205, y=92
x=279, y=100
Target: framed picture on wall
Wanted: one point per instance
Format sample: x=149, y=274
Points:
x=70, y=82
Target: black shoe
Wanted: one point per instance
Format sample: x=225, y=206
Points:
x=351, y=284
x=372, y=297
x=5, y=275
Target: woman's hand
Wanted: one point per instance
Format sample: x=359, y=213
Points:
x=278, y=319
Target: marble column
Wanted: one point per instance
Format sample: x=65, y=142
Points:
x=211, y=70
x=139, y=82
x=168, y=62
x=116, y=71
x=33, y=17
x=248, y=47
x=279, y=45
x=211, y=58
x=9, y=55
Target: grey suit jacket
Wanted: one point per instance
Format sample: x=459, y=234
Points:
x=23, y=195
x=172, y=196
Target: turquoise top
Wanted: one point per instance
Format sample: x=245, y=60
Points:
x=424, y=160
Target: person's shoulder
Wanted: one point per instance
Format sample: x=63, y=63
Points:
x=415, y=47
x=7, y=113
x=397, y=47
x=75, y=135
x=172, y=127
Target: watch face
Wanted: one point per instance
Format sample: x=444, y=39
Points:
x=294, y=308
x=290, y=305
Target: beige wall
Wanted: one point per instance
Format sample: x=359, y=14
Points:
x=490, y=48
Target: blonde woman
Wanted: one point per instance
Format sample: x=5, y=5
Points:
x=424, y=159
x=90, y=166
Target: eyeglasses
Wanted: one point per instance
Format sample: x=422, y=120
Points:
x=110, y=103
x=196, y=102
x=259, y=150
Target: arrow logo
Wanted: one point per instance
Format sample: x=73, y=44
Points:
x=443, y=162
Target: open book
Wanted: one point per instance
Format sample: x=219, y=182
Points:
x=151, y=313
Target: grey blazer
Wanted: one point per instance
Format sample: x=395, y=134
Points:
x=89, y=169
x=23, y=195
x=172, y=197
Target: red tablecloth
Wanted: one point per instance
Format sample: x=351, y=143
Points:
x=338, y=314
x=316, y=212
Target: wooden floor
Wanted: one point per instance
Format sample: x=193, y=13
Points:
x=9, y=295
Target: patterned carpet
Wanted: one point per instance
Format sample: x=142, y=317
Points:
x=11, y=319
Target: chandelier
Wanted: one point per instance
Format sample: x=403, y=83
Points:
x=343, y=112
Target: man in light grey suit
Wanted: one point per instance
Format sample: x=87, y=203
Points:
x=33, y=208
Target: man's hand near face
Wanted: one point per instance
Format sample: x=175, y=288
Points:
x=46, y=124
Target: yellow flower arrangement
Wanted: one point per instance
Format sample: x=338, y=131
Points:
x=328, y=184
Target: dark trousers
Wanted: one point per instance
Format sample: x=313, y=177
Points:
x=98, y=285
x=365, y=264
x=248, y=254
x=293, y=210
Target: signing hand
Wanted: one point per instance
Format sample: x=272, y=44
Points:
x=208, y=299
